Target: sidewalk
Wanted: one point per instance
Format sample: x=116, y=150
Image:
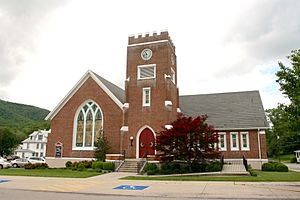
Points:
x=293, y=166
x=104, y=184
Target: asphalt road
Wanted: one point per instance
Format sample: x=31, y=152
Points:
x=107, y=187
x=38, y=195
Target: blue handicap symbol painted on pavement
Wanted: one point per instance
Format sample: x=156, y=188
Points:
x=130, y=187
x=3, y=181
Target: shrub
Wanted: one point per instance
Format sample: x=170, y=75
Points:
x=252, y=172
x=198, y=167
x=87, y=163
x=294, y=159
x=268, y=167
x=108, y=166
x=165, y=169
x=274, y=166
x=28, y=166
x=36, y=166
x=214, y=167
x=68, y=164
x=80, y=166
x=97, y=165
x=151, y=167
x=279, y=167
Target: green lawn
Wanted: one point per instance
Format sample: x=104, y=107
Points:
x=261, y=177
x=64, y=173
x=283, y=158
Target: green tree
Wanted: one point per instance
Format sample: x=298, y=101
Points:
x=284, y=137
x=8, y=142
x=289, y=81
x=102, y=147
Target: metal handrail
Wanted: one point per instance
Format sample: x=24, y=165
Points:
x=245, y=162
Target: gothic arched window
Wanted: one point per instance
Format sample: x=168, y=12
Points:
x=87, y=126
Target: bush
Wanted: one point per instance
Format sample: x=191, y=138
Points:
x=151, y=167
x=279, y=167
x=198, y=167
x=97, y=165
x=36, y=166
x=214, y=167
x=68, y=164
x=274, y=166
x=268, y=167
x=252, y=172
x=165, y=168
x=108, y=166
x=294, y=159
x=80, y=166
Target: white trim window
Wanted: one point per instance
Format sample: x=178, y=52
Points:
x=222, y=141
x=146, y=96
x=245, y=141
x=173, y=76
x=146, y=71
x=234, y=141
x=87, y=126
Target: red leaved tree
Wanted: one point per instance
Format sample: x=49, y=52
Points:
x=189, y=139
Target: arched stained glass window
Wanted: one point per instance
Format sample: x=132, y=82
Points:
x=88, y=125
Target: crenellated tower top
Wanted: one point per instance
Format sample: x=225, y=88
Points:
x=150, y=37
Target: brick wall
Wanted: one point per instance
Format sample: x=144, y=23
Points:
x=62, y=123
x=253, y=152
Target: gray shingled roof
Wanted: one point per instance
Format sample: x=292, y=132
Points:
x=117, y=91
x=227, y=110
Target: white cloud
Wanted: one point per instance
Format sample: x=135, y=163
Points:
x=221, y=46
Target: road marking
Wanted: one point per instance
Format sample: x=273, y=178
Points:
x=70, y=186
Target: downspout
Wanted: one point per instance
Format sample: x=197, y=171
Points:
x=259, y=150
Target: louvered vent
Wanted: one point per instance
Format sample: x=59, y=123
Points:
x=146, y=72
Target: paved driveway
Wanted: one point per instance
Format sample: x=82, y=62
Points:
x=104, y=184
x=293, y=166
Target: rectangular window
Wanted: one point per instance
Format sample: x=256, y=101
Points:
x=27, y=145
x=234, y=141
x=37, y=146
x=173, y=78
x=146, y=71
x=40, y=137
x=146, y=96
x=245, y=141
x=42, y=146
x=41, y=154
x=222, y=141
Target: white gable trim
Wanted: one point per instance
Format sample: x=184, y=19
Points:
x=76, y=87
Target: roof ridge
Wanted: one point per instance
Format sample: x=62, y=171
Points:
x=236, y=92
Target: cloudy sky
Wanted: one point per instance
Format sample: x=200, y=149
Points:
x=221, y=46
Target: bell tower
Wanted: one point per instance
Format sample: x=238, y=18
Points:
x=151, y=92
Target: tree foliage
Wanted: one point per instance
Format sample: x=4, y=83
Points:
x=102, y=147
x=8, y=142
x=289, y=81
x=22, y=119
x=284, y=137
x=189, y=139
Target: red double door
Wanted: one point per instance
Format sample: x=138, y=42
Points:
x=146, y=143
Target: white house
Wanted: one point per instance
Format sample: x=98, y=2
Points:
x=34, y=145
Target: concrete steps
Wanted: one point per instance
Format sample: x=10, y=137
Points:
x=235, y=166
x=133, y=166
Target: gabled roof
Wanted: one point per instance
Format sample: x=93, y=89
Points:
x=114, y=92
x=234, y=110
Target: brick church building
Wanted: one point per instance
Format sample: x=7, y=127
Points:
x=130, y=118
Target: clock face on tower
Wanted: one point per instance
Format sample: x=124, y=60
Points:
x=146, y=54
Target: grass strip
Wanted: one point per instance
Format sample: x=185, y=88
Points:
x=261, y=177
x=63, y=173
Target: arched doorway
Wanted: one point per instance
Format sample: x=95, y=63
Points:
x=146, y=143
